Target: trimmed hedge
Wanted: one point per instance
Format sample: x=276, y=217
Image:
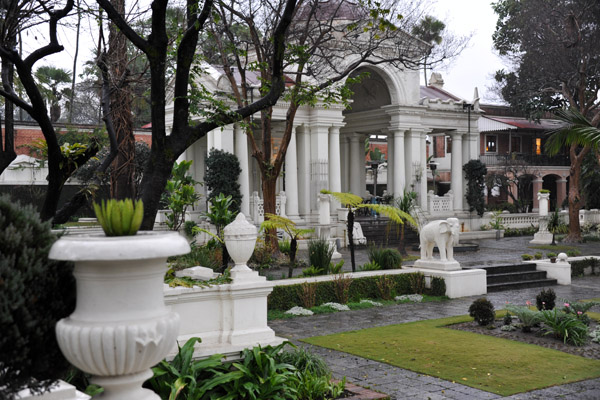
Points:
x=578, y=267
x=285, y=297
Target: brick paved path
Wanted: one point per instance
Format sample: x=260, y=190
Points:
x=403, y=384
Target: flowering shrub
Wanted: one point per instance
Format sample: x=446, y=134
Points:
x=579, y=309
x=337, y=306
x=417, y=298
x=371, y=302
x=299, y=311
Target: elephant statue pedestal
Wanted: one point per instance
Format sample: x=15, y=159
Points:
x=443, y=234
x=438, y=264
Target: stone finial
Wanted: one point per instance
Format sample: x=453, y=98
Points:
x=562, y=258
x=436, y=80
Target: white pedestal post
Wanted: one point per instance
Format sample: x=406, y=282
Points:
x=542, y=236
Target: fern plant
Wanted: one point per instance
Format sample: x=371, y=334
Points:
x=353, y=202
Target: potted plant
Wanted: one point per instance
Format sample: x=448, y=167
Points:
x=120, y=327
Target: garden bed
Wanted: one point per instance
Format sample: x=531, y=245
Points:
x=589, y=350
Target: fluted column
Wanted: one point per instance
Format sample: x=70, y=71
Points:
x=423, y=158
x=390, y=163
x=355, y=163
x=291, y=178
x=412, y=151
x=303, y=161
x=399, y=166
x=241, y=152
x=345, y=162
x=457, y=175
x=335, y=172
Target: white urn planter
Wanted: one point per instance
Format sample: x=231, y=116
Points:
x=120, y=327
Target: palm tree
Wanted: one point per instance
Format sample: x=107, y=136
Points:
x=273, y=222
x=581, y=137
x=51, y=79
x=353, y=202
x=429, y=30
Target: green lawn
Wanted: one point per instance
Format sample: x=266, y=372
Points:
x=484, y=362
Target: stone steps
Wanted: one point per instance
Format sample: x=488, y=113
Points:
x=379, y=231
x=514, y=276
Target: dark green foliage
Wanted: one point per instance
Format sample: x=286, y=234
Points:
x=507, y=320
x=482, y=311
x=304, y=361
x=578, y=267
x=370, y=266
x=475, y=172
x=438, y=286
x=286, y=297
x=545, y=300
x=564, y=326
x=385, y=258
x=34, y=294
x=417, y=283
x=319, y=255
x=222, y=172
x=510, y=232
x=204, y=256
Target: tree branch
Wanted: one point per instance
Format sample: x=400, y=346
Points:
x=124, y=27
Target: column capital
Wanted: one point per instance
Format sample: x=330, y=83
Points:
x=457, y=134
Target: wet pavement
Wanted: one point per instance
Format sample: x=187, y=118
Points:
x=404, y=384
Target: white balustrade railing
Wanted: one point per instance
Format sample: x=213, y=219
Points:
x=258, y=208
x=440, y=204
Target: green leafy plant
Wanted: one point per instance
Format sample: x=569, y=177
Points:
x=312, y=271
x=341, y=286
x=496, y=221
x=180, y=194
x=222, y=172
x=34, y=294
x=284, y=246
x=119, y=217
x=564, y=326
x=526, y=257
x=482, y=311
x=336, y=268
x=319, y=255
x=573, y=253
x=417, y=283
x=545, y=300
x=438, y=286
x=544, y=191
x=507, y=320
x=220, y=215
x=370, y=266
x=385, y=285
x=386, y=258
x=273, y=222
x=579, y=309
x=353, y=202
x=528, y=318
x=550, y=254
x=538, y=255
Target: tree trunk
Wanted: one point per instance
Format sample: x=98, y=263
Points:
x=293, y=249
x=351, y=238
x=574, y=193
x=123, y=168
x=7, y=148
x=156, y=174
x=269, y=186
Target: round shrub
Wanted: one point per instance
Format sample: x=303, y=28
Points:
x=482, y=311
x=545, y=300
x=34, y=294
x=222, y=172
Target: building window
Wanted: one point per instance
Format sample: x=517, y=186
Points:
x=491, y=144
x=515, y=144
x=448, y=144
x=538, y=146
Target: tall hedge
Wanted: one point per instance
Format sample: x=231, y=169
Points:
x=475, y=172
x=222, y=173
x=34, y=294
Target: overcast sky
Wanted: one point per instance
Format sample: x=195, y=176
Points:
x=473, y=68
x=477, y=64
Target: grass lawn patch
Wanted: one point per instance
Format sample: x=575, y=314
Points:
x=496, y=365
x=278, y=314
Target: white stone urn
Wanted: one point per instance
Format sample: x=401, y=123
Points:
x=543, y=203
x=240, y=239
x=120, y=327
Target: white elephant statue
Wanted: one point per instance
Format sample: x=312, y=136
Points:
x=444, y=234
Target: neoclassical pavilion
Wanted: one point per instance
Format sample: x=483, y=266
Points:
x=327, y=146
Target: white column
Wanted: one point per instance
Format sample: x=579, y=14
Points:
x=423, y=158
x=335, y=172
x=303, y=135
x=226, y=134
x=390, y=162
x=291, y=178
x=355, y=176
x=241, y=151
x=399, y=170
x=465, y=159
x=457, y=175
x=412, y=150
x=344, y=152
x=210, y=140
